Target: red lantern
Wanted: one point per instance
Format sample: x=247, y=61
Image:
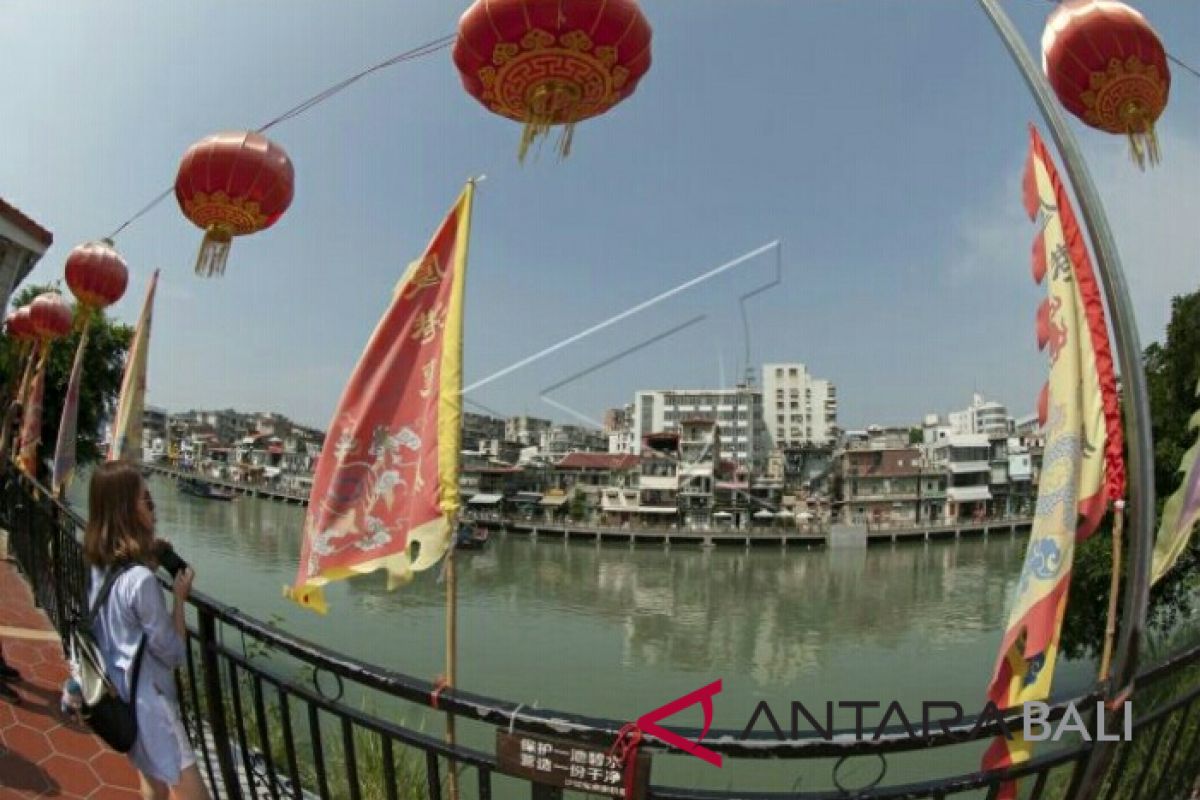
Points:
x=1108, y=68
x=96, y=275
x=50, y=315
x=19, y=325
x=232, y=184
x=552, y=62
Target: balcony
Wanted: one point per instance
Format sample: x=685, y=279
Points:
x=962, y=467
x=968, y=494
x=905, y=497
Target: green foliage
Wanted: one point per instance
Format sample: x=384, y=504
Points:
x=578, y=505
x=1172, y=371
x=915, y=436
x=103, y=366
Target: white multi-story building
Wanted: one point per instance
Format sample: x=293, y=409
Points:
x=798, y=409
x=983, y=416
x=560, y=440
x=737, y=412
x=966, y=459
x=622, y=442
x=526, y=429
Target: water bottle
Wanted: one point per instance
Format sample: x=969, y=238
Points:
x=71, y=703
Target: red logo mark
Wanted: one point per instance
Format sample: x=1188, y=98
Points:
x=648, y=722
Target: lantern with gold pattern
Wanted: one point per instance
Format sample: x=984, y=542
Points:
x=552, y=62
x=1108, y=68
x=232, y=184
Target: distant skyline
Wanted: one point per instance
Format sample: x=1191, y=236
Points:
x=881, y=143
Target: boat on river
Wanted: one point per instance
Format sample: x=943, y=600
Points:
x=470, y=537
x=204, y=489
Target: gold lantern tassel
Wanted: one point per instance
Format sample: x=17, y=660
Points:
x=1143, y=139
x=529, y=134
x=536, y=129
x=549, y=103
x=214, y=251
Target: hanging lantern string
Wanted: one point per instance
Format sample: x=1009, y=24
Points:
x=421, y=51
x=411, y=55
x=1177, y=62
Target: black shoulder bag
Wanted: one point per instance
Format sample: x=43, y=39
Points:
x=112, y=719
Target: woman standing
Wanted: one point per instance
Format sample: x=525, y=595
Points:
x=120, y=533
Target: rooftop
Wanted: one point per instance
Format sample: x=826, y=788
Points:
x=15, y=216
x=610, y=461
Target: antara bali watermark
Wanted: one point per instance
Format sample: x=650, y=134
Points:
x=1039, y=722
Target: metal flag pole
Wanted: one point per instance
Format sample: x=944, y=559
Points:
x=452, y=646
x=1136, y=404
x=451, y=574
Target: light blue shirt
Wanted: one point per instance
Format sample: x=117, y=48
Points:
x=136, y=608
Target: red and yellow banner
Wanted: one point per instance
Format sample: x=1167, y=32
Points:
x=385, y=493
x=68, y=426
x=31, y=422
x=126, y=441
x=1082, y=468
x=1181, y=512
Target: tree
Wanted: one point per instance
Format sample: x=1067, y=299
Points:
x=1172, y=370
x=916, y=436
x=103, y=367
x=578, y=505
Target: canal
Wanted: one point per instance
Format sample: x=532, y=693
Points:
x=613, y=630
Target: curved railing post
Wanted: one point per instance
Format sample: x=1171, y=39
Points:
x=213, y=695
x=1136, y=405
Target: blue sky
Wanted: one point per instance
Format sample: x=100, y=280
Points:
x=881, y=142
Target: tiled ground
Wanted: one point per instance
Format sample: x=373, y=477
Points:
x=42, y=755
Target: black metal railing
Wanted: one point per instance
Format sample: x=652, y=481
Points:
x=273, y=715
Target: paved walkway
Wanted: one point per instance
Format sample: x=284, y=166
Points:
x=41, y=754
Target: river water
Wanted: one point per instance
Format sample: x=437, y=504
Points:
x=613, y=630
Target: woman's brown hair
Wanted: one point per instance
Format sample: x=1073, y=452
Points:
x=116, y=531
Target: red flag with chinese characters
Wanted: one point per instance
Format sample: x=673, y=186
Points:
x=385, y=493
x=1082, y=466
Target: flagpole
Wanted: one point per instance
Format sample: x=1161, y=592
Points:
x=452, y=645
x=1136, y=405
x=1114, y=586
x=451, y=573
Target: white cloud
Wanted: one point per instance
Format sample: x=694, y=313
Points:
x=1153, y=216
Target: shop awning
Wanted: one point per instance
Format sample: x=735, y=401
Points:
x=485, y=500
x=657, y=510
x=764, y=514
x=526, y=497
x=554, y=500
x=968, y=494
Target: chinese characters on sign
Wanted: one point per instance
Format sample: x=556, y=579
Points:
x=568, y=765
